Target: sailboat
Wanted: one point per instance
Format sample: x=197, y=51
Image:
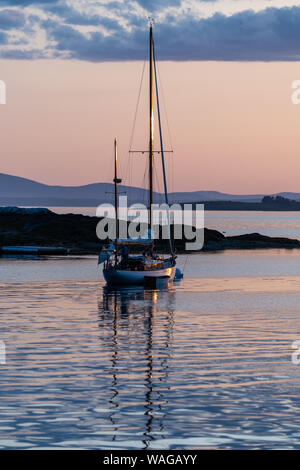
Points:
x=121, y=266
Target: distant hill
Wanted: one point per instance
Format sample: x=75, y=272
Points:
x=23, y=191
x=15, y=190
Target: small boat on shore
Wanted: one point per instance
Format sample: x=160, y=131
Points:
x=34, y=250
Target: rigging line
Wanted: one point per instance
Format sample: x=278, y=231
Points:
x=162, y=152
x=186, y=258
x=127, y=178
x=129, y=169
x=137, y=105
x=144, y=184
x=171, y=179
x=172, y=175
x=157, y=186
x=171, y=160
x=164, y=105
x=145, y=196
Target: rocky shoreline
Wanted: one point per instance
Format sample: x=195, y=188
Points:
x=77, y=233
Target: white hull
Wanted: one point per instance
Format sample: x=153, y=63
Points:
x=123, y=277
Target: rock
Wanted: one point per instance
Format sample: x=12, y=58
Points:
x=24, y=211
x=256, y=240
x=41, y=227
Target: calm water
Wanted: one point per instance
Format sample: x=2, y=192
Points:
x=274, y=224
x=205, y=364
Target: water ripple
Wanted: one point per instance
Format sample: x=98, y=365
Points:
x=204, y=364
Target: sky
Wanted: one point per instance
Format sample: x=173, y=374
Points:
x=73, y=69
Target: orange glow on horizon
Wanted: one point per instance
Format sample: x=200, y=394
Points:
x=233, y=125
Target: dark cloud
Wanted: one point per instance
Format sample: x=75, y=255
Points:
x=3, y=38
x=149, y=5
x=272, y=34
x=27, y=2
x=72, y=16
x=21, y=54
x=154, y=5
x=98, y=47
x=11, y=19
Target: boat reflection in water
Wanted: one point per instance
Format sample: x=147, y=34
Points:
x=137, y=327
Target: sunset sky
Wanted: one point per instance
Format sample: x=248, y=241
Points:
x=73, y=70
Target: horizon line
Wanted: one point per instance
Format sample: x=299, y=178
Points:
x=157, y=192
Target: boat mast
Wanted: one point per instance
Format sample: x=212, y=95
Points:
x=116, y=189
x=116, y=182
x=151, y=126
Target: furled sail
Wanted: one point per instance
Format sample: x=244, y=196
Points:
x=105, y=253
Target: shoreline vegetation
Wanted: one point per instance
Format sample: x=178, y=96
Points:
x=77, y=234
x=268, y=204
x=293, y=206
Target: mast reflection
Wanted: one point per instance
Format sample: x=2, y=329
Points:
x=137, y=326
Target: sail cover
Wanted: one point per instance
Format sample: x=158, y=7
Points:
x=105, y=252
